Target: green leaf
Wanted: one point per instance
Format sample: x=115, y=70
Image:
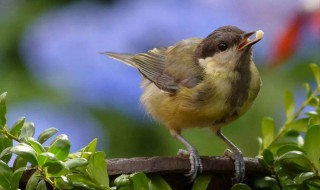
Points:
x=265, y=182
x=240, y=186
x=41, y=185
x=15, y=129
x=295, y=161
x=62, y=183
x=46, y=157
x=76, y=162
x=46, y=134
x=291, y=137
x=56, y=169
x=308, y=90
x=289, y=104
x=97, y=169
x=16, y=177
x=19, y=162
x=33, y=181
x=27, y=131
x=60, y=147
x=140, y=181
x=301, y=178
x=287, y=148
x=26, y=152
x=312, y=143
x=3, y=110
x=122, y=180
x=300, y=125
x=316, y=72
x=314, y=182
x=81, y=181
x=36, y=145
x=5, y=175
x=91, y=147
x=268, y=128
x=314, y=102
x=159, y=183
x=202, y=182
x=5, y=143
x=268, y=156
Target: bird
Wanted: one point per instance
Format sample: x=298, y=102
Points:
x=200, y=82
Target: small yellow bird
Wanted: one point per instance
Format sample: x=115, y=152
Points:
x=200, y=82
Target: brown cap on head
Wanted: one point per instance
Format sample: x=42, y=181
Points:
x=224, y=38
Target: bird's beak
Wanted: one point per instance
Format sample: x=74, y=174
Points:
x=246, y=42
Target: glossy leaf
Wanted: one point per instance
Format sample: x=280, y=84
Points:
x=3, y=110
x=292, y=137
x=308, y=89
x=159, y=183
x=17, y=126
x=316, y=72
x=289, y=104
x=19, y=162
x=287, y=148
x=26, y=152
x=265, y=182
x=15, y=180
x=5, y=143
x=139, y=181
x=314, y=102
x=80, y=180
x=27, y=131
x=76, y=162
x=268, y=156
x=312, y=143
x=97, y=169
x=62, y=183
x=36, y=145
x=60, y=147
x=240, y=186
x=314, y=182
x=122, y=180
x=300, y=125
x=41, y=185
x=5, y=175
x=46, y=134
x=201, y=182
x=268, y=128
x=33, y=181
x=301, y=178
x=295, y=161
x=91, y=147
x=56, y=169
x=46, y=157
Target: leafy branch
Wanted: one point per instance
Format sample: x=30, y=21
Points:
x=292, y=154
x=53, y=165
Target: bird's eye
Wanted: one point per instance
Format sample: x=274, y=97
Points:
x=222, y=46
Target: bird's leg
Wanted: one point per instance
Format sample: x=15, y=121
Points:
x=236, y=154
x=195, y=161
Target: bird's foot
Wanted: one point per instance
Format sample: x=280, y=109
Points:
x=195, y=162
x=183, y=153
x=239, y=174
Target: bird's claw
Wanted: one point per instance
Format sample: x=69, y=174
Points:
x=239, y=174
x=195, y=162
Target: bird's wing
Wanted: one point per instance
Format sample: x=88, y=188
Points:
x=166, y=67
x=151, y=65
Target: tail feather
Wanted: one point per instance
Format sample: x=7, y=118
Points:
x=123, y=57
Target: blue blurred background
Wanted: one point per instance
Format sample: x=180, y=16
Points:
x=54, y=75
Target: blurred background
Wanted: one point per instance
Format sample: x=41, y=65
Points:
x=54, y=75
